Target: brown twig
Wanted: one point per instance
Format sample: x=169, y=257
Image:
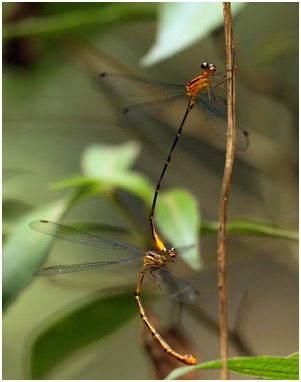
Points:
x=230, y=147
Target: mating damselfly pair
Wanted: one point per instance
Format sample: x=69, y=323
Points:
x=200, y=93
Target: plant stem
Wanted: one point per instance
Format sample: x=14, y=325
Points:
x=230, y=147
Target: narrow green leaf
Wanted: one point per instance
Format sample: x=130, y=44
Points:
x=78, y=328
x=177, y=217
x=25, y=250
x=136, y=184
x=176, y=373
x=265, y=367
x=182, y=24
x=65, y=22
x=250, y=227
x=75, y=181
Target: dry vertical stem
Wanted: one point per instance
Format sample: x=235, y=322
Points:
x=230, y=147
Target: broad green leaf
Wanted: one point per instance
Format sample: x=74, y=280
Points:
x=104, y=160
x=25, y=250
x=78, y=328
x=109, y=166
x=177, y=217
x=135, y=183
x=250, y=227
x=262, y=367
x=182, y=24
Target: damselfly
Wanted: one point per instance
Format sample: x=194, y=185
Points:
x=153, y=261
x=213, y=107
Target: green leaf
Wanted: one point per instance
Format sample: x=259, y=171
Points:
x=108, y=166
x=78, y=328
x=250, y=227
x=262, y=367
x=136, y=184
x=177, y=217
x=103, y=161
x=75, y=181
x=182, y=24
x=25, y=250
x=84, y=187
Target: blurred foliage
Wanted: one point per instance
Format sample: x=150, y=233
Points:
x=51, y=118
x=79, y=327
x=19, y=265
x=249, y=227
x=106, y=169
x=68, y=18
x=179, y=221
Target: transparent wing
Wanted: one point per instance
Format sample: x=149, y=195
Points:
x=126, y=86
x=217, y=118
x=63, y=232
x=138, y=114
x=62, y=269
x=176, y=287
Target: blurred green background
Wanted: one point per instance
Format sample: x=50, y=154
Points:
x=51, y=117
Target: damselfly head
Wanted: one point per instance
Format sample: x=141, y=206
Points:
x=208, y=67
x=169, y=253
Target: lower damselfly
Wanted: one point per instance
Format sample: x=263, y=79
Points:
x=154, y=262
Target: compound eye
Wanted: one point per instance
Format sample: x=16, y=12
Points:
x=205, y=65
x=212, y=67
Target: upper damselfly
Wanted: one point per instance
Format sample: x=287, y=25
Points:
x=200, y=93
